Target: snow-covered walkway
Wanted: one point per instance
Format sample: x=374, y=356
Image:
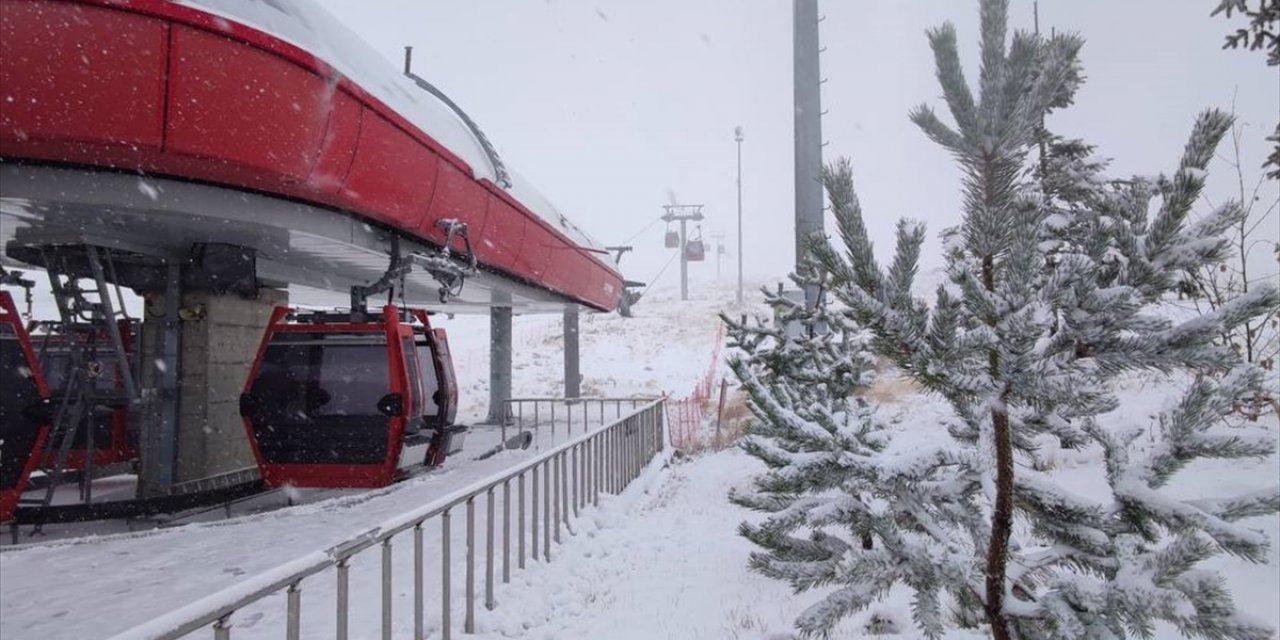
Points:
x=668, y=564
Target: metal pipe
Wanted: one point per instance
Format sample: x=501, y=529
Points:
x=611, y=461
x=622, y=457
x=446, y=630
x=595, y=471
x=807, y=95
x=386, y=589
x=558, y=471
x=222, y=630
x=546, y=511
x=488, y=552
x=608, y=460
x=506, y=532
x=580, y=479
x=293, y=623
x=342, y=600
x=520, y=529
x=418, y=594
x=469, y=622
x=564, y=488
x=534, y=502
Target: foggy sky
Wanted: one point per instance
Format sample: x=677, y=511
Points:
x=608, y=107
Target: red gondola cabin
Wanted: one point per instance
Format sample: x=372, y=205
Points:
x=332, y=402
x=112, y=439
x=24, y=408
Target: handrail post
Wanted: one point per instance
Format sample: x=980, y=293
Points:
x=293, y=624
x=520, y=521
x=386, y=589
x=506, y=531
x=558, y=473
x=342, y=612
x=564, y=487
x=595, y=469
x=446, y=630
x=534, y=519
x=469, y=622
x=546, y=511
x=222, y=628
x=488, y=552
x=417, y=583
x=618, y=439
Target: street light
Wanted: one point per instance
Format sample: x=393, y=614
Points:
x=737, y=137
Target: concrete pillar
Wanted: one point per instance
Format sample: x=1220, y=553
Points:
x=572, y=368
x=219, y=343
x=220, y=334
x=499, y=362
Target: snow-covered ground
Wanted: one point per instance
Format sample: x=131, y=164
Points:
x=95, y=586
x=671, y=565
x=663, y=560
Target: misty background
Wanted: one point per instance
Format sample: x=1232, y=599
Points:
x=613, y=108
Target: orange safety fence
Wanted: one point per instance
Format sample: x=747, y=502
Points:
x=685, y=416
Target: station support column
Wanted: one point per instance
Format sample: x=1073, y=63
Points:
x=572, y=366
x=499, y=362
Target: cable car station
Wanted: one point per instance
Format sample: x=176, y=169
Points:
x=214, y=159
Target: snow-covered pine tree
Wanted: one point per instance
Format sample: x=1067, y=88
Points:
x=1051, y=296
x=803, y=371
x=815, y=349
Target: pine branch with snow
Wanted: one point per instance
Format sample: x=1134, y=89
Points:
x=832, y=486
x=1056, y=276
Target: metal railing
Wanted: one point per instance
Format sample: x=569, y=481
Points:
x=534, y=413
x=566, y=479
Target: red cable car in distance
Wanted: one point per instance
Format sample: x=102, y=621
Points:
x=350, y=400
x=24, y=408
x=112, y=440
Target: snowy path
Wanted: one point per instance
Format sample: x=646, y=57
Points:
x=633, y=575
x=95, y=586
x=666, y=565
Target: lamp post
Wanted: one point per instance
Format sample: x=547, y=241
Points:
x=737, y=137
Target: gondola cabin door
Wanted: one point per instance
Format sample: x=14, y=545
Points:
x=24, y=408
x=439, y=392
